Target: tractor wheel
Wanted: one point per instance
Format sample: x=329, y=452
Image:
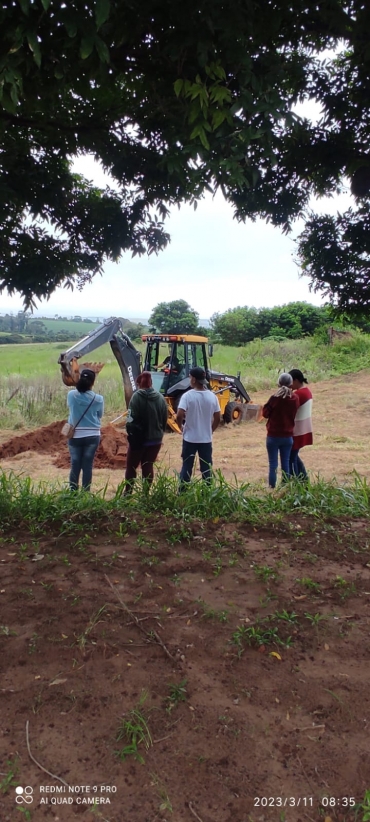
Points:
x=233, y=412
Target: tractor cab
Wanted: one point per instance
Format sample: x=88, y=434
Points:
x=169, y=358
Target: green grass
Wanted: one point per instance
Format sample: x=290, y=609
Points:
x=41, y=359
x=178, y=693
x=38, y=359
x=9, y=779
x=80, y=328
x=257, y=635
x=22, y=502
x=134, y=731
x=363, y=808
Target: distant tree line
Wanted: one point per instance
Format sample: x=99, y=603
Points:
x=23, y=328
x=240, y=325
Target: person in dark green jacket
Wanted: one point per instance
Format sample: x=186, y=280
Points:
x=145, y=426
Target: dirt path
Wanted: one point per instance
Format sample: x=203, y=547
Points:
x=233, y=689
x=341, y=442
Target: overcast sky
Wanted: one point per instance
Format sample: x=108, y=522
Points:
x=213, y=262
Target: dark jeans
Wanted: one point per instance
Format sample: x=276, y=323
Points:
x=146, y=456
x=189, y=451
x=296, y=466
x=276, y=446
x=82, y=451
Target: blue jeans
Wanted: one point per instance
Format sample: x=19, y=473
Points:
x=276, y=446
x=296, y=466
x=82, y=451
x=189, y=451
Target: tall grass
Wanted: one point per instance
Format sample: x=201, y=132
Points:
x=38, y=401
x=25, y=503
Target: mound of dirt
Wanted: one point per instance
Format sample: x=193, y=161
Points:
x=48, y=440
x=45, y=440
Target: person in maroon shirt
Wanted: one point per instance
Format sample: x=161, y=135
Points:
x=280, y=411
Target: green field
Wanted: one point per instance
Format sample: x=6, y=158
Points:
x=42, y=359
x=32, y=392
x=79, y=328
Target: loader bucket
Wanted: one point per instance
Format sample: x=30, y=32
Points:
x=252, y=411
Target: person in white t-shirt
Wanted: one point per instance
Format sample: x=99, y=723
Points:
x=200, y=413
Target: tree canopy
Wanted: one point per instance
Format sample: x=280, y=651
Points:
x=176, y=317
x=174, y=100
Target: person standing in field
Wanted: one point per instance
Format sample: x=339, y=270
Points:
x=199, y=412
x=280, y=412
x=146, y=423
x=85, y=412
x=302, y=432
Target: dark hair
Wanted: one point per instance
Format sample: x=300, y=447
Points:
x=86, y=381
x=296, y=374
x=144, y=380
x=199, y=374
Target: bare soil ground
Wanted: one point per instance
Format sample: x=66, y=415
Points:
x=213, y=672
x=228, y=726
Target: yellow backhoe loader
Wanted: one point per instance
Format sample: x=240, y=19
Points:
x=169, y=358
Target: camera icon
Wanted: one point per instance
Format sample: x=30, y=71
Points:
x=24, y=795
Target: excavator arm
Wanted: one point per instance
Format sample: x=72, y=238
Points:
x=127, y=356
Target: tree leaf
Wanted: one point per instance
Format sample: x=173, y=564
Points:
x=102, y=50
x=218, y=117
x=25, y=6
x=102, y=11
x=203, y=138
x=178, y=86
x=8, y=103
x=34, y=46
x=46, y=4
x=71, y=28
x=14, y=93
x=87, y=45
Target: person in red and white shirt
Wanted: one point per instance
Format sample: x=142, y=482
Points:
x=302, y=432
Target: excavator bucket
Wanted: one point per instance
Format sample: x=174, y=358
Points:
x=71, y=371
x=93, y=366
